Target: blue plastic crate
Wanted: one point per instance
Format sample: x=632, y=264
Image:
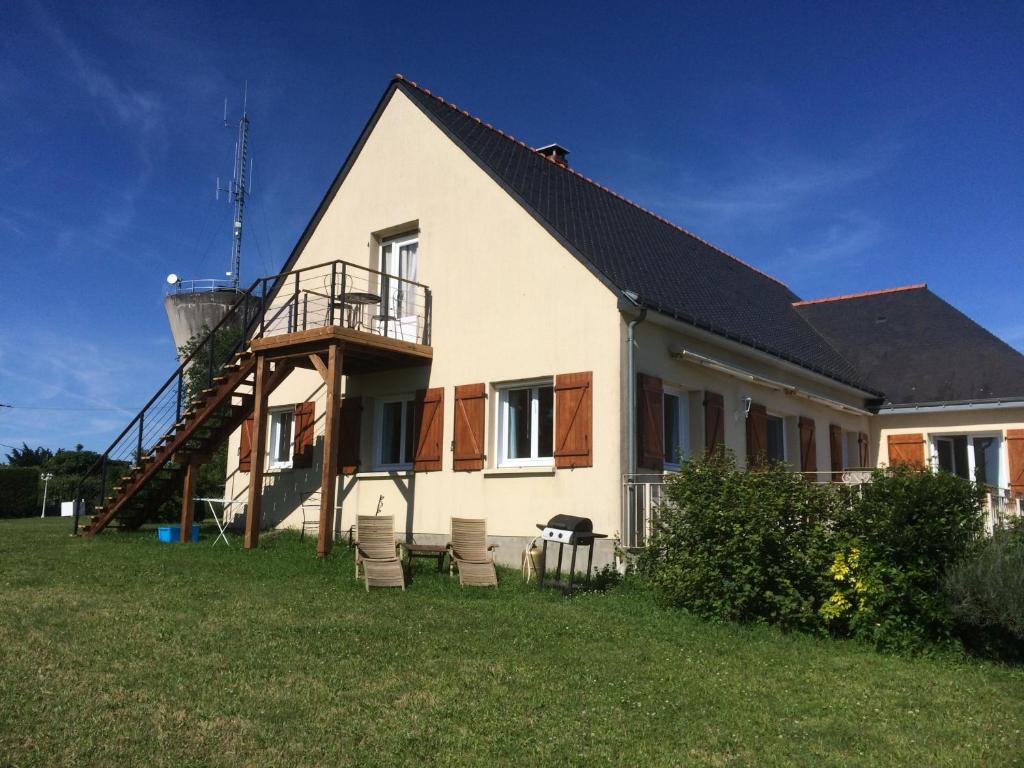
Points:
x=171, y=534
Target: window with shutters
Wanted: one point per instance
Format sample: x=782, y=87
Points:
x=775, y=445
x=394, y=432
x=676, y=415
x=281, y=438
x=525, y=434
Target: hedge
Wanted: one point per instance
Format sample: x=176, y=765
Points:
x=19, y=491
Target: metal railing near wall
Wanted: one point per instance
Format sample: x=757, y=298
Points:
x=642, y=495
x=335, y=293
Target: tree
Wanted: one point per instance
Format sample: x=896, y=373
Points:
x=28, y=457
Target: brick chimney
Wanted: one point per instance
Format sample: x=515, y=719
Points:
x=557, y=153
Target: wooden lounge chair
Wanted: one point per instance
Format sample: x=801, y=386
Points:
x=471, y=554
x=377, y=552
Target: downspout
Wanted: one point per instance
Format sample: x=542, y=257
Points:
x=630, y=302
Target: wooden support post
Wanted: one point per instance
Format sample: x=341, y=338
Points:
x=259, y=452
x=187, y=500
x=328, y=480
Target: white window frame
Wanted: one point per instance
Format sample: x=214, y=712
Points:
x=785, y=441
x=274, y=434
x=1004, y=469
x=683, y=426
x=503, y=415
x=378, y=434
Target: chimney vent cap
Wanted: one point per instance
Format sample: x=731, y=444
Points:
x=555, y=152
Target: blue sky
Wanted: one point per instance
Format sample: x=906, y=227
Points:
x=840, y=147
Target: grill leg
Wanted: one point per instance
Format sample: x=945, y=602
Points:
x=558, y=574
x=590, y=561
x=572, y=568
x=543, y=571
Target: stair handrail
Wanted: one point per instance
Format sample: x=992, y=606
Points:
x=179, y=371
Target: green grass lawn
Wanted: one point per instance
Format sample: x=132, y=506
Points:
x=123, y=651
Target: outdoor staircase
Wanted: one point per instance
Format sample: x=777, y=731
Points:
x=202, y=428
x=281, y=322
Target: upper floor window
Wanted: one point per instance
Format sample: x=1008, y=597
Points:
x=394, y=433
x=526, y=425
x=282, y=438
x=400, y=300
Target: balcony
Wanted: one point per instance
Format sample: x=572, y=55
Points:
x=381, y=320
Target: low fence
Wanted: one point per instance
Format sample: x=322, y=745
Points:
x=642, y=495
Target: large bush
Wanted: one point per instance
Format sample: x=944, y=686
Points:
x=895, y=542
x=986, y=593
x=767, y=546
x=19, y=491
x=743, y=546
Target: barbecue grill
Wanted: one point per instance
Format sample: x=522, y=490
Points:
x=575, y=532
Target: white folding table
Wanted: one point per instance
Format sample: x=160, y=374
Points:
x=222, y=521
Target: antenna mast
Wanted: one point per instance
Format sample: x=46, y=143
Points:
x=241, y=186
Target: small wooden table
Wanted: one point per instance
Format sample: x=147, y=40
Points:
x=437, y=551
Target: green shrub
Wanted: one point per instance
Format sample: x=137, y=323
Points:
x=986, y=594
x=897, y=538
x=766, y=546
x=19, y=491
x=742, y=546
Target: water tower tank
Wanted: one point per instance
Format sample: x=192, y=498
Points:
x=192, y=305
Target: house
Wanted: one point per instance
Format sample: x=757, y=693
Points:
x=954, y=393
x=468, y=326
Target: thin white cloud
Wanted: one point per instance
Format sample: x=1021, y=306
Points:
x=777, y=185
x=849, y=235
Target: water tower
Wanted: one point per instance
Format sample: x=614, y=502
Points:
x=195, y=305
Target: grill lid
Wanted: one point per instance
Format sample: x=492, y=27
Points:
x=571, y=523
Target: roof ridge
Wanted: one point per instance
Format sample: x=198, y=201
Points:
x=861, y=295
x=401, y=78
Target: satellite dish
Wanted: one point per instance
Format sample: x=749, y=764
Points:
x=172, y=279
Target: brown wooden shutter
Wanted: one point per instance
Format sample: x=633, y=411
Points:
x=714, y=422
x=429, y=430
x=349, y=436
x=1015, y=452
x=574, y=408
x=245, y=446
x=906, y=449
x=808, y=445
x=650, y=423
x=468, y=442
x=835, y=449
x=302, y=449
x=757, y=435
x=863, y=450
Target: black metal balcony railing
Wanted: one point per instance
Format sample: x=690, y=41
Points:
x=336, y=293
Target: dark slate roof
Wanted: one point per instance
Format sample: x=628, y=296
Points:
x=629, y=248
x=917, y=348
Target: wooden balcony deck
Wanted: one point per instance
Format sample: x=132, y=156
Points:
x=362, y=352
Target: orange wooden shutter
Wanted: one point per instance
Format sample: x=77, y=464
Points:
x=1015, y=452
x=714, y=421
x=349, y=435
x=650, y=423
x=862, y=447
x=757, y=435
x=906, y=449
x=808, y=445
x=835, y=449
x=429, y=430
x=469, y=449
x=302, y=450
x=573, y=420
x=245, y=447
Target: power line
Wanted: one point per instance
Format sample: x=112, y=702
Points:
x=53, y=408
